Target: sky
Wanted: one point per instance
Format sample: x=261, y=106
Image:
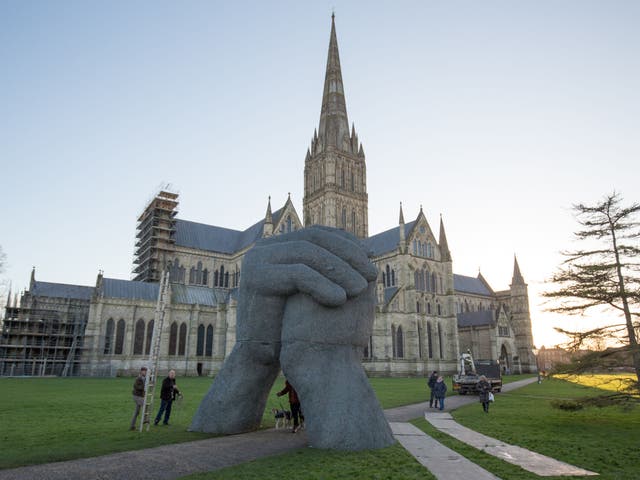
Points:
x=497, y=115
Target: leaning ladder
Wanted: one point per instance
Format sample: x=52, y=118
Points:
x=150, y=379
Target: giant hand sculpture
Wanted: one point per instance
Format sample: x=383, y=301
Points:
x=306, y=304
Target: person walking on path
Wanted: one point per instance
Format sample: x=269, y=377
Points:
x=294, y=404
x=440, y=390
x=138, y=395
x=484, y=389
x=432, y=383
x=168, y=394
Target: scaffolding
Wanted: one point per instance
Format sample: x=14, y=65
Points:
x=155, y=236
x=43, y=340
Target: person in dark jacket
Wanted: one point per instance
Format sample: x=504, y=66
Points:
x=440, y=390
x=138, y=395
x=432, y=383
x=168, y=393
x=484, y=389
x=294, y=404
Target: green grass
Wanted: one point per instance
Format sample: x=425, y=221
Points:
x=604, y=440
x=51, y=419
x=390, y=463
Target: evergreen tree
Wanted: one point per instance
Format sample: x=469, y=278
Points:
x=606, y=273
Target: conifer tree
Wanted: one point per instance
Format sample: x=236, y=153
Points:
x=605, y=273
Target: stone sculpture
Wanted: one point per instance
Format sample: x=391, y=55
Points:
x=306, y=305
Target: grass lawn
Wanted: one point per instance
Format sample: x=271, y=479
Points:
x=51, y=419
x=604, y=440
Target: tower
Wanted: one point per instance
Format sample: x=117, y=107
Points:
x=521, y=319
x=335, y=186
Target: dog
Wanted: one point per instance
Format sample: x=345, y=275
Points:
x=282, y=417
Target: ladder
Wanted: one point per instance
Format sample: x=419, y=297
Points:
x=154, y=353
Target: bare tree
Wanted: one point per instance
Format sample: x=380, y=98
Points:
x=606, y=274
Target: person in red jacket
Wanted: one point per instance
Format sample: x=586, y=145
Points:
x=294, y=404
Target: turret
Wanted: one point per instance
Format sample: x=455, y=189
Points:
x=268, y=221
x=403, y=241
x=444, y=246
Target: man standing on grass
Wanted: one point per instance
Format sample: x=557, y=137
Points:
x=138, y=395
x=167, y=395
x=432, y=383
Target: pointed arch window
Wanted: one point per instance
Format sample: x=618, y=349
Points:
x=200, y=341
x=215, y=278
x=399, y=343
x=120, y=337
x=226, y=280
x=108, y=337
x=173, y=338
x=147, y=348
x=429, y=340
x=419, y=340
x=393, y=277
x=182, y=339
x=434, y=284
x=393, y=341
x=205, y=277
x=138, y=338
x=440, y=340
x=209, y=345
x=439, y=307
x=388, y=270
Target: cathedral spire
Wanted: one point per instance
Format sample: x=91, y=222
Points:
x=517, y=279
x=444, y=246
x=9, y=297
x=267, y=229
x=334, y=123
x=401, y=221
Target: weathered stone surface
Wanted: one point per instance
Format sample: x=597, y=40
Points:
x=307, y=303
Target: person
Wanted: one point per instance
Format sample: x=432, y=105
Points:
x=484, y=389
x=138, y=395
x=439, y=391
x=168, y=394
x=294, y=404
x=432, y=383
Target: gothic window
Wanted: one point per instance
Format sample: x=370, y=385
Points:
x=344, y=218
x=173, y=337
x=429, y=308
x=399, y=343
x=415, y=247
x=120, y=337
x=434, y=284
x=439, y=309
x=353, y=183
x=388, y=270
x=205, y=277
x=149, y=337
x=353, y=221
x=368, y=349
x=182, y=339
x=221, y=278
x=342, y=178
x=417, y=307
x=181, y=274
x=393, y=277
x=192, y=275
x=138, y=338
x=108, y=337
x=209, y=347
x=416, y=280
x=226, y=280
x=200, y=341
x=429, y=340
x=393, y=341
x=199, y=274
x=384, y=279
x=419, y=341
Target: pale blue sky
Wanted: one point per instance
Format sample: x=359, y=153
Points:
x=497, y=114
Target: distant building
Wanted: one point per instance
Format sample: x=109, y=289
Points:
x=425, y=313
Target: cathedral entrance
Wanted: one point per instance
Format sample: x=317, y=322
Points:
x=505, y=361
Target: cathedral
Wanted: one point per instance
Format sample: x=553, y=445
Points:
x=426, y=315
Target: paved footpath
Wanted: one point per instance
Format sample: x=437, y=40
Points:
x=177, y=460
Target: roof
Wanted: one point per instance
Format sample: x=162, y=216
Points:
x=386, y=241
x=180, y=294
x=62, y=290
x=475, y=319
x=462, y=283
x=116, y=288
x=219, y=239
x=389, y=292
